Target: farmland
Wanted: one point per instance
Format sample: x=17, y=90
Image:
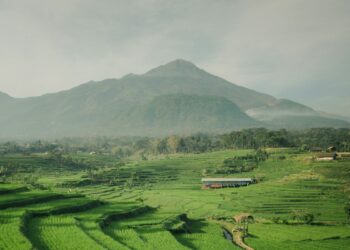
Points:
x=158, y=203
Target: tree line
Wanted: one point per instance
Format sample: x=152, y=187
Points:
x=196, y=143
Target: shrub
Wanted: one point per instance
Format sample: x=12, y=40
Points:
x=244, y=163
x=276, y=219
x=282, y=157
x=302, y=216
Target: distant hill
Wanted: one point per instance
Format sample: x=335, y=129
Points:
x=302, y=122
x=177, y=97
x=283, y=108
x=292, y=115
x=334, y=116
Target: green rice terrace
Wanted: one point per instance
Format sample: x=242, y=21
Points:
x=295, y=202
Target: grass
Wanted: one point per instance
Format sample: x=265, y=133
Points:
x=60, y=232
x=92, y=229
x=171, y=186
x=11, y=236
x=206, y=236
x=272, y=236
x=127, y=236
x=12, y=221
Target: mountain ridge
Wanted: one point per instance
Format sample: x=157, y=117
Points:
x=156, y=72
x=108, y=107
x=3, y=95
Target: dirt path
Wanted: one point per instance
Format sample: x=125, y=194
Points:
x=238, y=240
x=237, y=236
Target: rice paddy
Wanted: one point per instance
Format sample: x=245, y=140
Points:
x=159, y=204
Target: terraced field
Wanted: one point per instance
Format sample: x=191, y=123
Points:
x=205, y=236
x=272, y=236
x=14, y=221
x=148, y=208
x=59, y=232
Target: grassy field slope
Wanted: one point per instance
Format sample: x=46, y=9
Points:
x=159, y=204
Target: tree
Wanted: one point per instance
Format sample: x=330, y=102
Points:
x=162, y=146
x=347, y=211
x=130, y=181
x=308, y=218
x=3, y=173
x=205, y=172
x=91, y=172
x=142, y=144
x=31, y=179
x=143, y=156
x=173, y=144
x=242, y=221
x=303, y=216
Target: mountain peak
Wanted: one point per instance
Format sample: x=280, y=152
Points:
x=178, y=67
x=182, y=63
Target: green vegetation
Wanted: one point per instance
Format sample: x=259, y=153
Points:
x=158, y=203
x=205, y=236
x=239, y=164
x=271, y=236
x=74, y=153
x=59, y=232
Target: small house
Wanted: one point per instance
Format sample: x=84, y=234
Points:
x=225, y=182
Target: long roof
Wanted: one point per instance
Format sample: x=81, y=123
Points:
x=226, y=179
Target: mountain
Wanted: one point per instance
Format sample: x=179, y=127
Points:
x=177, y=97
x=292, y=115
x=334, y=116
x=303, y=122
x=4, y=98
x=179, y=113
x=177, y=68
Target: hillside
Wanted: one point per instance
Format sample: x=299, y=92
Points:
x=179, y=113
x=303, y=121
x=281, y=107
x=123, y=106
x=292, y=115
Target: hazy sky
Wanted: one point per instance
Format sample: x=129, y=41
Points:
x=291, y=49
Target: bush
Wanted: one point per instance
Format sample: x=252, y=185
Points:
x=239, y=164
x=301, y=216
x=276, y=219
x=285, y=221
x=308, y=218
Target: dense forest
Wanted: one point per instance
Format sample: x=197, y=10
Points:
x=122, y=147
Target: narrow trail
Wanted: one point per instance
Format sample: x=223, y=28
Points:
x=237, y=236
x=238, y=239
